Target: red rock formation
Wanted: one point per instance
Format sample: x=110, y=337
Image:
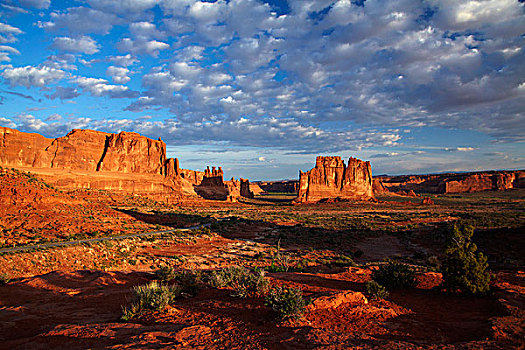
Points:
x=255, y=188
x=23, y=149
x=455, y=183
x=330, y=178
x=427, y=201
x=129, y=152
x=289, y=186
x=212, y=185
x=125, y=162
x=245, y=189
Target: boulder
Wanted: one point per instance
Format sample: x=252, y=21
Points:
x=335, y=300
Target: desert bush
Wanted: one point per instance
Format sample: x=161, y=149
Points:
x=244, y=282
x=287, y=302
x=375, y=290
x=462, y=268
x=165, y=273
x=225, y=277
x=188, y=281
x=152, y=296
x=395, y=275
x=250, y=284
x=342, y=261
x=4, y=278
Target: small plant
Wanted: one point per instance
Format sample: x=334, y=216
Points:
x=395, y=275
x=152, y=296
x=462, y=268
x=225, y=277
x=165, y=273
x=188, y=281
x=288, y=302
x=342, y=261
x=243, y=282
x=4, y=278
x=376, y=291
x=250, y=284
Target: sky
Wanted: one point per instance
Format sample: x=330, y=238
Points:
x=261, y=87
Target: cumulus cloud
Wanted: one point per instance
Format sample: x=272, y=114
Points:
x=100, y=87
x=319, y=71
x=125, y=61
x=141, y=46
x=118, y=74
x=83, y=44
x=30, y=76
x=81, y=20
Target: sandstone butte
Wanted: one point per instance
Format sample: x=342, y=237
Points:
x=125, y=162
x=331, y=178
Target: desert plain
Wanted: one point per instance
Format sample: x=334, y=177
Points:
x=76, y=248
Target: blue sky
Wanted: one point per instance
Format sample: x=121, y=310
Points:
x=262, y=87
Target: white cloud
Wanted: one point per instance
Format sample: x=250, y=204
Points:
x=125, y=61
x=83, y=44
x=100, y=87
x=29, y=76
x=7, y=33
x=8, y=29
x=141, y=47
x=118, y=74
x=81, y=20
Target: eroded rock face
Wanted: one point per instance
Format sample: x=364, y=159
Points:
x=331, y=178
x=453, y=183
x=125, y=162
x=129, y=152
x=246, y=189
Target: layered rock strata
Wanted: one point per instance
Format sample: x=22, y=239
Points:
x=125, y=162
x=452, y=183
x=331, y=178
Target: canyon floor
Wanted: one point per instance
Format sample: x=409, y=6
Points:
x=72, y=297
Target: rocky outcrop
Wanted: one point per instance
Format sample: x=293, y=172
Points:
x=288, y=186
x=427, y=201
x=124, y=162
x=453, y=183
x=245, y=188
x=331, y=178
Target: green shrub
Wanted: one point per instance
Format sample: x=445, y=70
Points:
x=395, y=275
x=250, y=284
x=462, y=268
x=287, y=302
x=225, y=277
x=188, y=281
x=375, y=290
x=243, y=282
x=165, y=273
x=152, y=296
x=4, y=278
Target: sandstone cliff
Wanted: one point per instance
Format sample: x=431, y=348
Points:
x=452, y=183
x=331, y=178
x=288, y=186
x=125, y=162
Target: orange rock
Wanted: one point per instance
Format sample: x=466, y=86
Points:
x=334, y=300
x=331, y=178
x=427, y=200
x=125, y=162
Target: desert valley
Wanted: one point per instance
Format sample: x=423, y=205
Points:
x=262, y=174
x=336, y=259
